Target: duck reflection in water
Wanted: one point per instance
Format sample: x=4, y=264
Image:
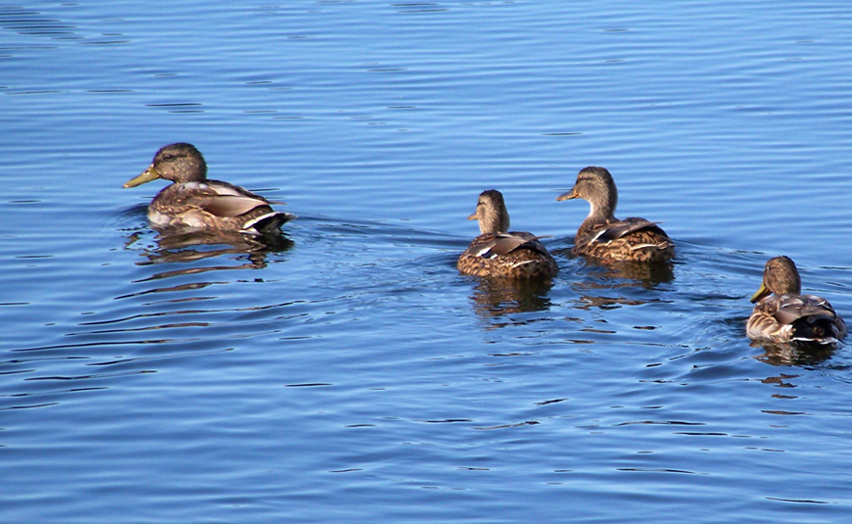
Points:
x=495, y=297
x=781, y=354
x=191, y=247
x=613, y=285
x=644, y=274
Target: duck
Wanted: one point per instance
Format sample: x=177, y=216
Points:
x=603, y=237
x=498, y=252
x=783, y=315
x=193, y=201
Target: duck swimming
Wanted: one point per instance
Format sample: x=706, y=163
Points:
x=783, y=314
x=500, y=253
x=606, y=238
x=193, y=201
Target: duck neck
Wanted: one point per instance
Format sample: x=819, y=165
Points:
x=494, y=222
x=602, y=211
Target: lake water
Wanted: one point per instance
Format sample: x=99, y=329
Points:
x=350, y=374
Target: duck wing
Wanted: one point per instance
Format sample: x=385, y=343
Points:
x=501, y=244
x=621, y=228
x=226, y=200
x=788, y=308
x=230, y=206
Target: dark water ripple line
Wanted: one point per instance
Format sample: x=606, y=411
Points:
x=105, y=42
x=662, y=423
x=26, y=47
x=89, y=376
x=663, y=470
x=147, y=328
x=89, y=360
x=17, y=371
x=249, y=309
x=35, y=358
x=30, y=406
x=118, y=343
x=798, y=501
x=173, y=289
x=161, y=357
x=526, y=423
x=190, y=271
x=17, y=399
x=147, y=315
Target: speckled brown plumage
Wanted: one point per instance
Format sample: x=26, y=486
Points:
x=192, y=201
x=783, y=314
x=499, y=253
x=602, y=236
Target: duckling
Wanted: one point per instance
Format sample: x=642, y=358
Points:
x=499, y=253
x=192, y=201
x=783, y=314
x=606, y=238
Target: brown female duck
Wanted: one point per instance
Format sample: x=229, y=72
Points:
x=783, y=314
x=606, y=238
x=192, y=201
x=499, y=253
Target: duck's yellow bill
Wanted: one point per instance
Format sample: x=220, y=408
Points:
x=762, y=292
x=567, y=196
x=146, y=176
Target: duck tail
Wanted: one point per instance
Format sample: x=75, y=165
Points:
x=268, y=223
x=821, y=329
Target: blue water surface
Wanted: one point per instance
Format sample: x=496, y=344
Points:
x=348, y=373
